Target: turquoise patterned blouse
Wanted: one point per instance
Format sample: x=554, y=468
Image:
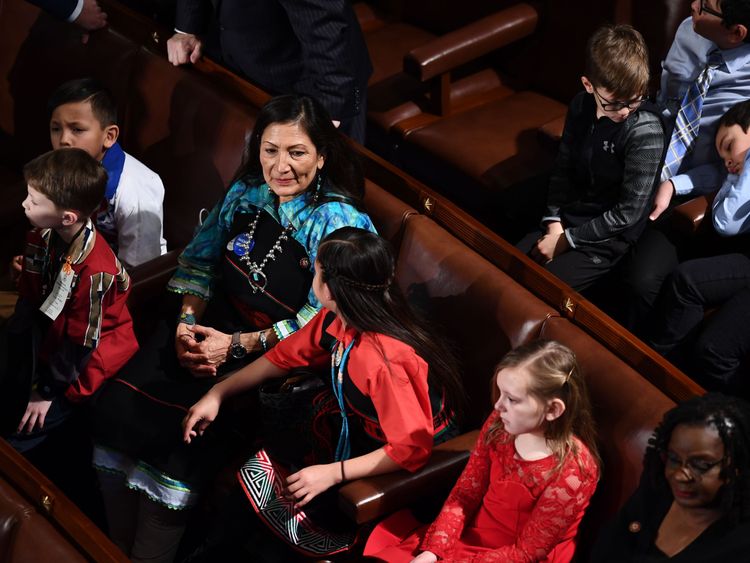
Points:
x=198, y=263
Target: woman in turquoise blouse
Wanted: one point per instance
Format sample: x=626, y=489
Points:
x=245, y=284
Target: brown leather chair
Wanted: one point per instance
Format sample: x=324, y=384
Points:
x=397, y=95
x=477, y=157
x=38, y=523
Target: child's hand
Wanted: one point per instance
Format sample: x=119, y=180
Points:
x=16, y=267
x=200, y=415
x=309, y=482
x=425, y=557
x=36, y=412
x=663, y=196
x=555, y=228
x=549, y=246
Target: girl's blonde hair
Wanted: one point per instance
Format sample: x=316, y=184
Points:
x=554, y=374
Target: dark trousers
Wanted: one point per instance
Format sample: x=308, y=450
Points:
x=659, y=250
x=719, y=346
x=580, y=267
x=651, y=260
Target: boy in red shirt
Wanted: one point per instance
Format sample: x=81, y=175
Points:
x=71, y=329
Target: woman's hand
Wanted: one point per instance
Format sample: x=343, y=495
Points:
x=309, y=482
x=200, y=415
x=183, y=340
x=425, y=557
x=208, y=349
x=36, y=412
x=185, y=344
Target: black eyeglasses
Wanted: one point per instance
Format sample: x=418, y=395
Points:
x=708, y=10
x=695, y=466
x=632, y=105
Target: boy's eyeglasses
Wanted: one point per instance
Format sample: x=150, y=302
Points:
x=708, y=10
x=696, y=467
x=607, y=105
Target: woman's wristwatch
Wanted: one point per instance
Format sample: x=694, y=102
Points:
x=236, y=349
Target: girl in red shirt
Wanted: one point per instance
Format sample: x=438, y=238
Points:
x=528, y=481
x=392, y=381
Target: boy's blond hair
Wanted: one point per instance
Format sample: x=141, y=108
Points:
x=617, y=59
x=70, y=178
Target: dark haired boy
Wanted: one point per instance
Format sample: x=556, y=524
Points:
x=606, y=167
x=731, y=207
x=83, y=115
x=714, y=353
x=71, y=329
x=706, y=71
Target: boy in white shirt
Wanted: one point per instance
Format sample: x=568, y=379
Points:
x=83, y=115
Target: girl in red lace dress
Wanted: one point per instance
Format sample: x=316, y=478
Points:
x=528, y=481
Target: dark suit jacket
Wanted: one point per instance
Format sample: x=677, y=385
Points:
x=312, y=47
x=58, y=8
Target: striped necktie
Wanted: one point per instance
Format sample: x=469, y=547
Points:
x=688, y=117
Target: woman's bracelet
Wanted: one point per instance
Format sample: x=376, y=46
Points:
x=263, y=340
x=343, y=475
x=187, y=318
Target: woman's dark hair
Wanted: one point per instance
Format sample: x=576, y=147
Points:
x=342, y=169
x=731, y=418
x=358, y=266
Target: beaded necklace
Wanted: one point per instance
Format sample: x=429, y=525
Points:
x=339, y=356
x=244, y=244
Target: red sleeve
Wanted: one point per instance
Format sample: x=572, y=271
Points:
x=556, y=514
x=302, y=348
x=398, y=390
x=464, y=499
x=99, y=320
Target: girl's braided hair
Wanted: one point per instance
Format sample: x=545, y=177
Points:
x=359, y=268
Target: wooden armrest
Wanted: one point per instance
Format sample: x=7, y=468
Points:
x=553, y=129
x=368, y=499
x=551, y=132
x=688, y=217
x=51, y=503
x=471, y=41
x=149, y=279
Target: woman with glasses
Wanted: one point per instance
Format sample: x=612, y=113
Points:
x=693, y=502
